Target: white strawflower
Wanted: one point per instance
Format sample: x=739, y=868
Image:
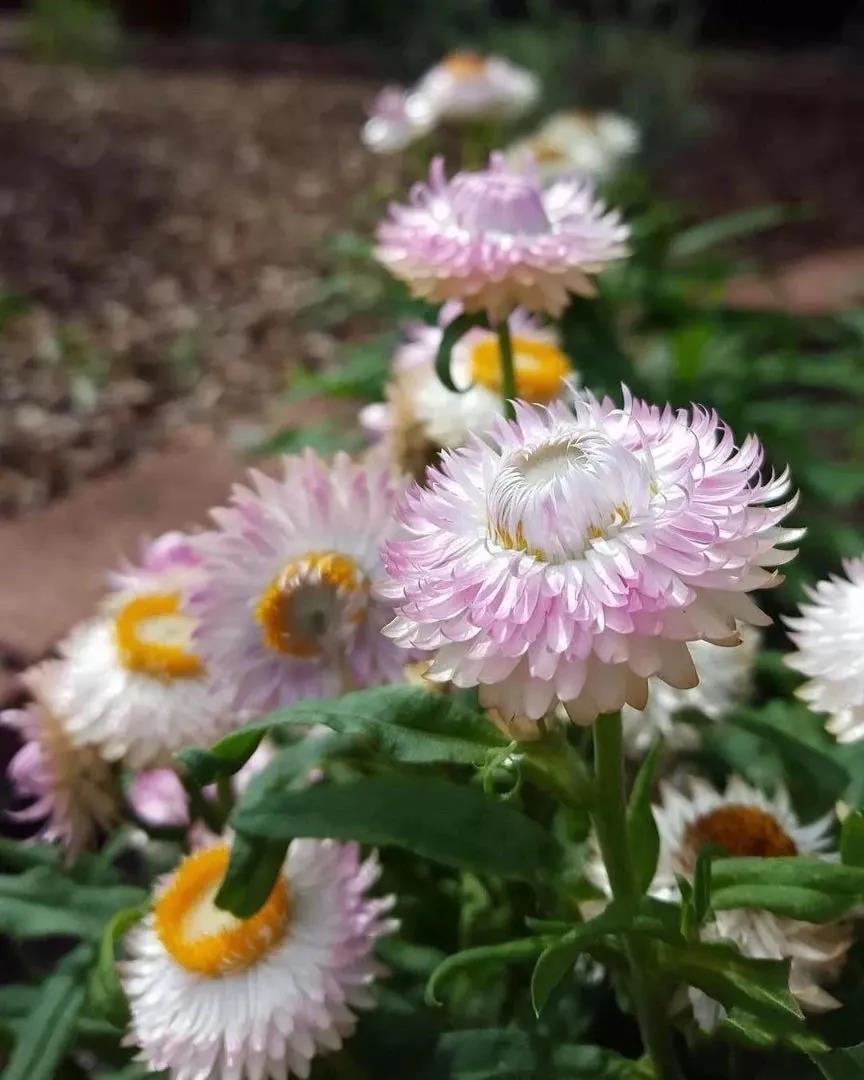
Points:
x=132, y=684
x=725, y=679
x=422, y=415
x=591, y=144
x=829, y=634
x=744, y=821
x=216, y=997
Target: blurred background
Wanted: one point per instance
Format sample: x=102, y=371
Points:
x=186, y=206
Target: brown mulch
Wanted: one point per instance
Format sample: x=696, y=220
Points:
x=165, y=223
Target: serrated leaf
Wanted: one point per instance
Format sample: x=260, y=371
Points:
x=760, y=987
x=642, y=831
x=450, y=823
x=852, y=839
x=759, y=1033
x=405, y=723
x=453, y=332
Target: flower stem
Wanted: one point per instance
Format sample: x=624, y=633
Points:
x=610, y=820
x=508, y=371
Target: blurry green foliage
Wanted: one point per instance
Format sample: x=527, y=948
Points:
x=85, y=32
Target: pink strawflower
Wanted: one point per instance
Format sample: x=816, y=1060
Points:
x=397, y=119
x=173, y=554
x=70, y=788
x=214, y=997
x=288, y=609
x=829, y=634
x=573, y=554
x=495, y=239
x=158, y=798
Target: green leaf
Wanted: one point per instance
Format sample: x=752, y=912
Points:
x=48, y=1029
x=760, y=987
x=405, y=723
x=810, y=757
x=759, y=1033
x=702, y=884
x=852, y=839
x=43, y=901
x=840, y=483
x=453, y=332
x=808, y=905
x=641, y=827
x=793, y=870
x=558, y=959
x=325, y=438
x=513, y=1054
x=651, y=917
x=252, y=871
x=104, y=992
x=446, y=822
x=509, y=952
x=721, y=230
x=227, y=757
x=844, y=1064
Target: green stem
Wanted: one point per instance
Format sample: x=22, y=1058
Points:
x=508, y=371
x=224, y=796
x=202, y=809
x=610, y=821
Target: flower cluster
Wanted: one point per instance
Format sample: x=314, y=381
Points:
x=496, y=239
x=422, y=415
x=570, y=558
x=742, y=821
x=464, y=87
x=574, y=552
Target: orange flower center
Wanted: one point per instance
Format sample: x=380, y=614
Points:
x=316, y=601
x=538, y=365
x=206, y=940
x=154, y=637
x=741, y=830
x=464, y=64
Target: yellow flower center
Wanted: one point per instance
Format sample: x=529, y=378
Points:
x=741, y=830
x=206, y=940
x=547, y=153
x=538, y=365
x=464, y=64
x=154, y=637
x=314, y=602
